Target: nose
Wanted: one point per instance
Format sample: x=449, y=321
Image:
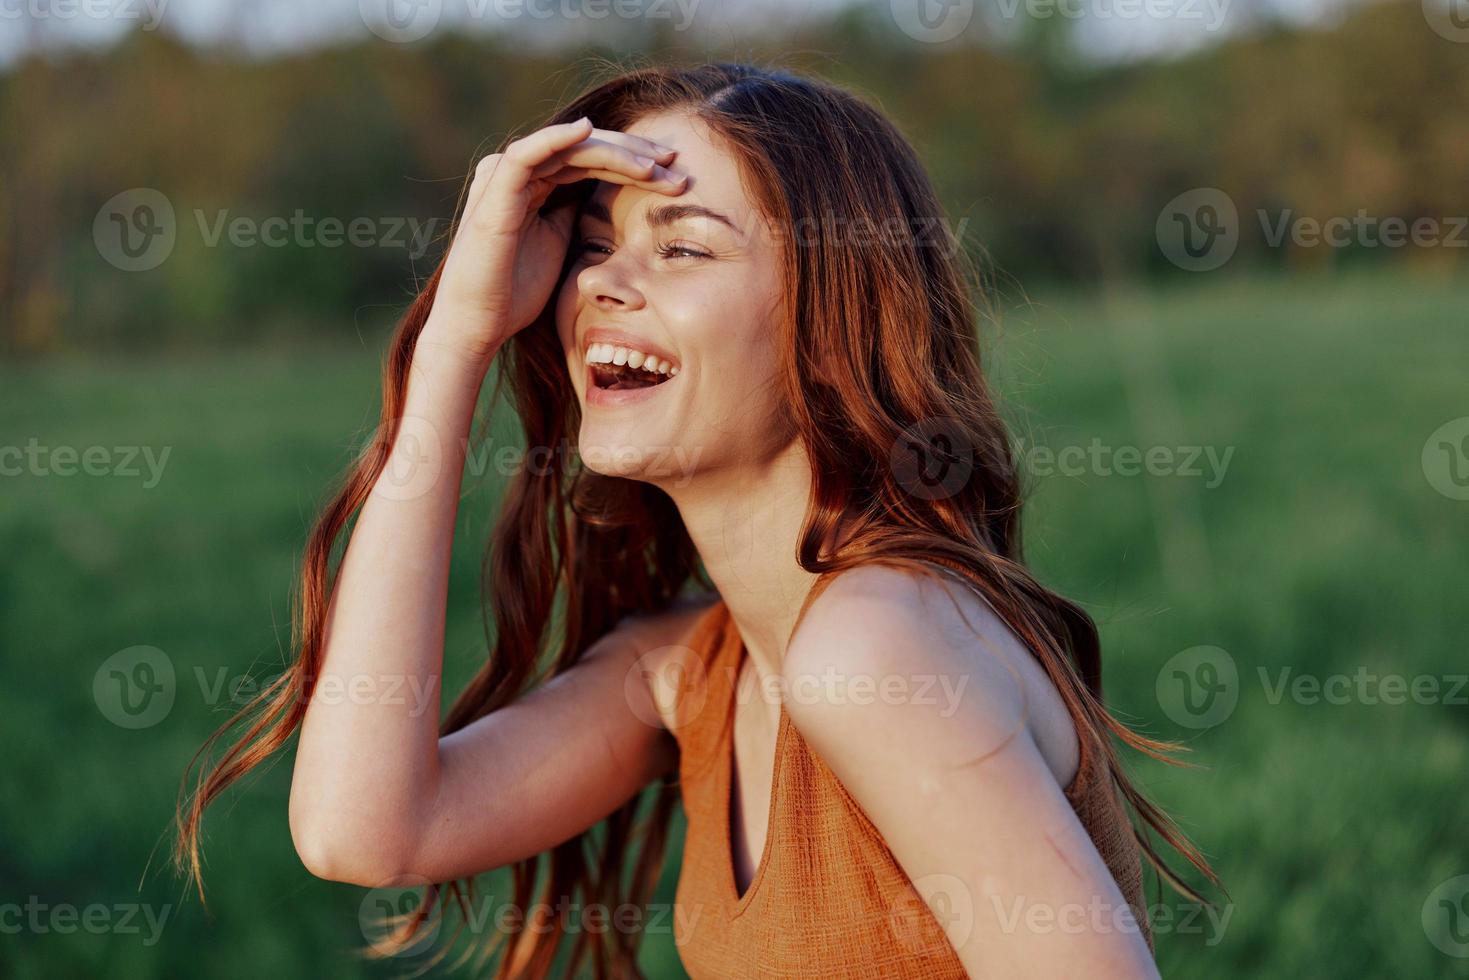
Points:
x=608, y=286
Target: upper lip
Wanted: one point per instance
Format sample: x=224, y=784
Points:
x=622, y=338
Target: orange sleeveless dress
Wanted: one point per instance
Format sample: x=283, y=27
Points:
x=827, y=898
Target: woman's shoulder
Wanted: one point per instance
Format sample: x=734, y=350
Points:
x=933, y=639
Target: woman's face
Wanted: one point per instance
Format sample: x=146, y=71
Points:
x=662, y=274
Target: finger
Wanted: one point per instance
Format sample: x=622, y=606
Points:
x=483, y=171
x=595, y=153
x=568, y=175
x=592, y=152
x=524, y=154
x=638, y=144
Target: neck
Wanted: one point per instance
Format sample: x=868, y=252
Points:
x=745, y=523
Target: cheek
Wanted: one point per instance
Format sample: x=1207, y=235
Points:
x=568, y=310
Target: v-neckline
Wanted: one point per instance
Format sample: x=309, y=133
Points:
x=742, y=902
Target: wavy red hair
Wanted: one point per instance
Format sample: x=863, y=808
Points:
x=880, y=340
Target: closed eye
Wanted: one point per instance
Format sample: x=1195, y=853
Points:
x=581, y=246
x=681, y=251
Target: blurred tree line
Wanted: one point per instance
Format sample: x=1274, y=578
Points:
x=1055, y=169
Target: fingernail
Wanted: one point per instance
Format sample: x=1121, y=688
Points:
x=646, y=161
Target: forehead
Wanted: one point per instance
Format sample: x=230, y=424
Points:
x=714, y=176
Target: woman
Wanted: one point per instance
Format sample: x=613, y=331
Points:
x=726, y=288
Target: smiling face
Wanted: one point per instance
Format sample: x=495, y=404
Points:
x=691, y=278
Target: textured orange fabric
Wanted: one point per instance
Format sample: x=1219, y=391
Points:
x=827, y=898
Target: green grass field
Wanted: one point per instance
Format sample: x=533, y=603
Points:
x=1321, y=549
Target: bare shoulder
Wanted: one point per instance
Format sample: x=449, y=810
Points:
x=939, y=614
x=903, y=633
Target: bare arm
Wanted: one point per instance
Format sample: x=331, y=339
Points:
x=375, y=793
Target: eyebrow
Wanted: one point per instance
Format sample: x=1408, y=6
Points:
x=661, y=216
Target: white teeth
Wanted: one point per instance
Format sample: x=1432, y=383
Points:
x=611, y=354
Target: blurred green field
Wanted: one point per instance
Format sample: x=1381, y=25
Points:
x=1323, y=549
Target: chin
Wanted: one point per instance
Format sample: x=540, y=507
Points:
x=631, y=456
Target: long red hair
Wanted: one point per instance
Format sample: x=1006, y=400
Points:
x=881, y=351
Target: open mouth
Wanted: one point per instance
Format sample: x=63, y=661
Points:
x=621, y=377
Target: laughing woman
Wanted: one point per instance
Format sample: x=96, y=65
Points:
x=784, y=569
